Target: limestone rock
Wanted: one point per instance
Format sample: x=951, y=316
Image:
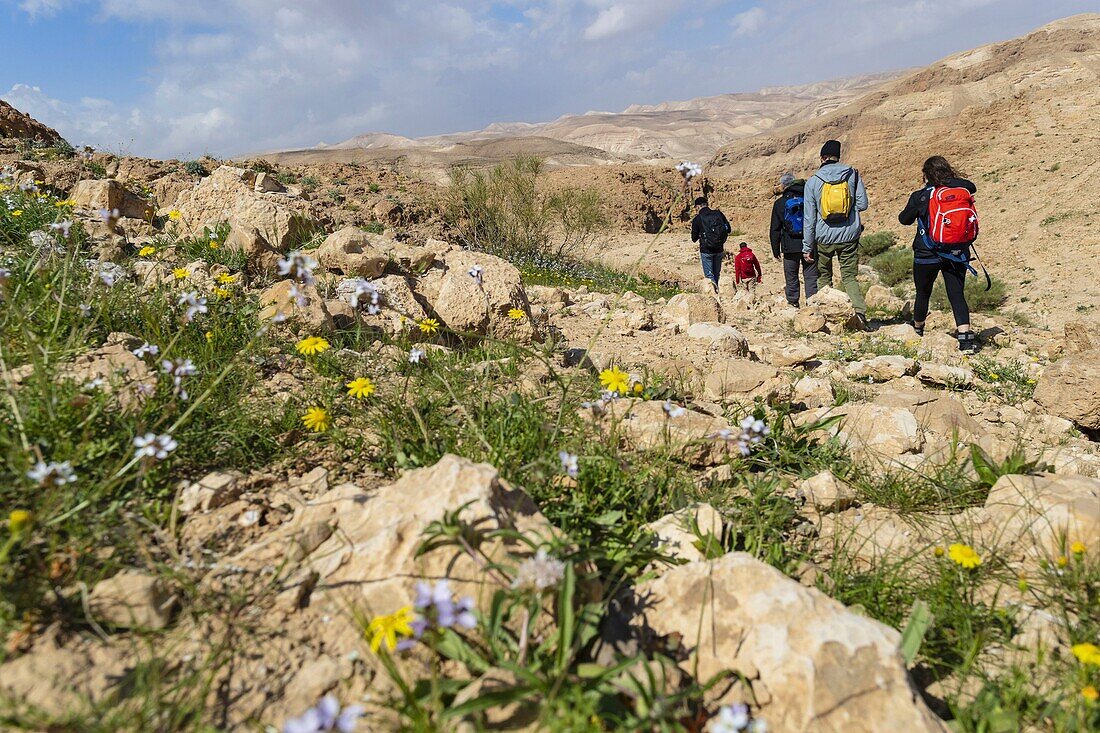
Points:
x=872, y=429
x=809, y=320
x=644, y=425
x=352, y=252
x=947, y=416
x=811, y=392
x=789, y=355
x=814, y=665
x=468, y=308
x=881, y=368
x=267, y=224
x=1081, y=337
x=943, y=375
x=308, y=308
x=731, y=379
x=1036, y=514
x=826, y=493
x=210, y=492
x=833, y=304
x=674, y=535
x=685, y=309
x=132, y=600
x=722, y=338
x=113, y=368
x=883, y=299
x=1070, y=388
x=107, y=193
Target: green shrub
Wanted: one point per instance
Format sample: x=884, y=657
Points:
x=979, y=299
x=374, y=227
x=195, y=168
x=877, y=243
x=893, y=266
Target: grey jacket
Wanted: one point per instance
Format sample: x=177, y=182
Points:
x=815, y=229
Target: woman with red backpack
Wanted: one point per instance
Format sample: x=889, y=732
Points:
x=947, y=225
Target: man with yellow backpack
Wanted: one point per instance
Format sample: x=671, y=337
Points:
x=833, y=198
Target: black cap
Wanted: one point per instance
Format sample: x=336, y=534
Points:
x=831, y=149
x=744, y=244
x=701, y=201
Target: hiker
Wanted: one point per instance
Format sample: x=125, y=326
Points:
x=786, y=237
x=947, y=225
x=710, y=229
x=832, y=200
x=746, y=268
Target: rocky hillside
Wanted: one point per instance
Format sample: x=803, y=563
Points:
x=18, y=125
x=386, y=483
x=1012, y=115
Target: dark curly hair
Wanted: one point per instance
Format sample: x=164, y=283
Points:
x=937, y=171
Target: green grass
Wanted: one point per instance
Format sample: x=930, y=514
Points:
x=893, y=266
x=594, y=276
x=877, y=243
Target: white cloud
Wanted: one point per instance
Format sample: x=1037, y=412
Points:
x=748, y=22
x=237, y=76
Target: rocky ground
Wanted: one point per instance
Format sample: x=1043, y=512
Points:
x=630, y=513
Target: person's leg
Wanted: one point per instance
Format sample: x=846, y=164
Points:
x=707, y=261
x=809, y=273
x=718, y=267
x=848, y=254
x=825, y=265
x=790, y=275
x=924, y=277
x=954, y=278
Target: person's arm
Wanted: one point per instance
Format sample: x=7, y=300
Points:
x=912, y=208
x=861, y=193
x=729, y=229
x=756, y=267
x=776, y=232
x=809, y=216
x=695, y=229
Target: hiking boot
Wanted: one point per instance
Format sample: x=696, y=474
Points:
x=968, y=342
x=919, y=329
x=863, y=324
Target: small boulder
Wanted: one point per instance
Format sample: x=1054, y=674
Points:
x=352, y=252
x=881, y=368
x=287, y=300
x=107, y=193
x=942, y=375
x=1070, y=388
x=809, y=320
x=486, y=308
x=674, y=533
x=826, y=493
x=132, y=600
x=720, y=337
x=883, y=299
x=685, y=309
x=733, y=379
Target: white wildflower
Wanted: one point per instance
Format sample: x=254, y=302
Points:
x=730, y=719
x=673, y=410
x=154, y=447
x=85, y=310
x=63, y=227
x=146, y=349
x=476, y=273
x=52, y=474
x=5, y=275
x=689, y=170
x=298, y=266
x=416, y=354
x=109, y=216
x=539, y=572
x=193, y=303
x=569, y=463
x=326, y=715
x=178, y=369
x=358, y=292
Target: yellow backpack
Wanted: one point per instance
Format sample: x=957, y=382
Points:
x=836, y=200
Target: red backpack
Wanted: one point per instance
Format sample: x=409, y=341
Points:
x=952, y=218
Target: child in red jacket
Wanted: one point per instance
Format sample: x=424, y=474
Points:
x=746, y=268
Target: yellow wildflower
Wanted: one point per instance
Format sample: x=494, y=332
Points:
x=174, y=215
x=1087, y=653
x=227, y=279
x=214, y=245
x=1090, y=693
x=17, y=212
x=1062, y=561
x=964, y=555
x=181, y=273
x=938, y=552
x=312, y=346
x=223, y=292
x=428, y=326
x=209, y=336
x=637, y=388
x=386, y=629
x=146, y=251
x=1077, y=548
x=614, y=380
x=64, y=202
x=360, y=388
x=18, y=521
x=516, y=314
x=994, y=376
x=317, y=419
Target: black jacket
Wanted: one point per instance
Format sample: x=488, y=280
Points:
x=917, y=208
x=783, y=241
x=697, y=228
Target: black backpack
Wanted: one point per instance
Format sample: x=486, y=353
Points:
x=715, y=231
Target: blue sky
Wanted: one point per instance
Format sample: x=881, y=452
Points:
x=184, y=78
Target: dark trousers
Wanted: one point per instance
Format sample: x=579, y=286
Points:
x=954, y=277
x=712, y=265
x=791, y=264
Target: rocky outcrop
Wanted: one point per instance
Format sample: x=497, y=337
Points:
x=352, y=252
x=109, y=194
x=1070, y=388
x=496, y=306
x=16, y=124
x=813, y=665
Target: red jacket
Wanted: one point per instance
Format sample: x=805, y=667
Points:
x=746, y=266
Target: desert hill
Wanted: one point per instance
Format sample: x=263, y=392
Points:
x=693, y=128
x=16, y=124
